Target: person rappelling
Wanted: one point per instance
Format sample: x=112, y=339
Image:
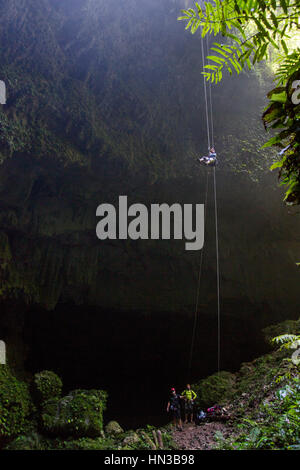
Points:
x=210, y=159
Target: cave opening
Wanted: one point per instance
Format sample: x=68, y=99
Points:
x=135, y=356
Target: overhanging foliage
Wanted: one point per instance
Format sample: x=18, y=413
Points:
x=255, y=28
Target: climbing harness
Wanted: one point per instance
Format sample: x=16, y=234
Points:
x=211, y=160
x=210, y=142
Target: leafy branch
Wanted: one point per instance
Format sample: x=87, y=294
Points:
x=254, y=29
x=233, y=19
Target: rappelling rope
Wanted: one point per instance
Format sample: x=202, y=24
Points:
x=210, y=101
x=210, y=132
x=216, y=225
x=216, y=217
x=205, y=96
x=198, y=288
x=218, y=271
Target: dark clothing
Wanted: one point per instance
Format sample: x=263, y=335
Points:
x=175, y=405
x=174, y=402
x=176, y=413
x=188, y=407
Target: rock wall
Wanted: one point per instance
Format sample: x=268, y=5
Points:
x=106, y=99
x=50, y=252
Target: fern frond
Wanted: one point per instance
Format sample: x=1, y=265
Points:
x=284, y=339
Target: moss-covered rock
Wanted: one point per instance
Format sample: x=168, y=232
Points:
x=113, y=428
x=32, y=441
x=84, y=443
x=253, y=377
x=265, y=410
x=79, y=414
x=47, y=385
x=132, y=439
x=15, y=404
x=216, y=388
x=35, y=441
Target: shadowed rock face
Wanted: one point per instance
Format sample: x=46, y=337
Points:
x=50, y=252
x=106, y=99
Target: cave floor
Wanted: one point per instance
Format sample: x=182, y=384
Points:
x=201, y=437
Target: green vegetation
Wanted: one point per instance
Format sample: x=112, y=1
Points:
x=47, y=385
x=262, y=402
x=287, y=327
x=275, y=422
x=73, y=422
x=282, y=113
x=79, y=106
x=290, y=342
x=262, y=399
x=15, y=404
x=257, y=30
x=82, y=123
x=254, y=26
x=78, y=414
x=214, y=389
x=141, y=439
x=113, y=428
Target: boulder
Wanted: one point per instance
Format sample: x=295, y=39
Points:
x=131, y=439
x=79, y=414
x=113, y=428
x=216, y=388
x=47, y=385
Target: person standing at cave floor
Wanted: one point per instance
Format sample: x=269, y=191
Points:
x=189, y=395
x=175, y=409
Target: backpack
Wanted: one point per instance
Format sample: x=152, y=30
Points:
x=200, y=417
